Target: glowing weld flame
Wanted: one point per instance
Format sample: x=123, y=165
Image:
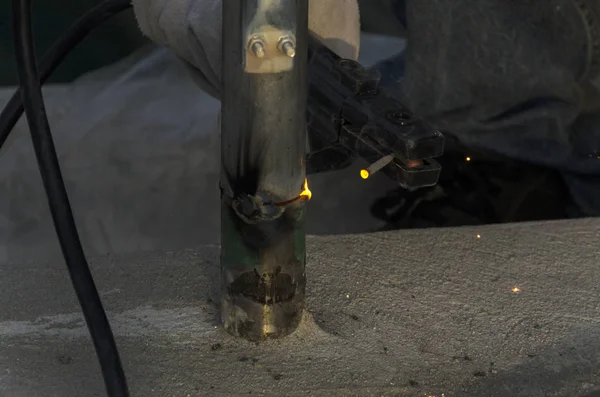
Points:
x=305, y=190
x=305, y=194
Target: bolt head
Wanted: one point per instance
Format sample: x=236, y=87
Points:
x=288, y=49
x=258, y=50
x=257, y=46
x=287, y=46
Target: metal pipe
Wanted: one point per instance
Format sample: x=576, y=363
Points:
x=263, y=151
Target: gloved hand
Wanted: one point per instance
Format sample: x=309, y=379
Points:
x=192, y=30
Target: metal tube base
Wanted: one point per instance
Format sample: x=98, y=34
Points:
x=263, y=286
x=263, y=152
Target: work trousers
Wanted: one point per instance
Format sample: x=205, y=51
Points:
x=517, y=78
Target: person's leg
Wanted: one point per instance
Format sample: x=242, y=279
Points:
x=583, y=178
x=399, y=8
x=508, y=78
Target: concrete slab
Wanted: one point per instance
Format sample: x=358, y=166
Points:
x=508, y=310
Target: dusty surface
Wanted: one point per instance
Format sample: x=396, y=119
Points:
x=413, y=313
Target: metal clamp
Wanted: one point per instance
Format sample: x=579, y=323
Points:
x=351, y=116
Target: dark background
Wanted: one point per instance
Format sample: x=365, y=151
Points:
x=118, y=37
x=112, y=41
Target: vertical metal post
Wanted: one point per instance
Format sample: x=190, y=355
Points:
x=263, y=149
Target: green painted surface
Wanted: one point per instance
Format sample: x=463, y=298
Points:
x=300, y=236
x=234, y=253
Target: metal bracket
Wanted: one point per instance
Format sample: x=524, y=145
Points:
x=270, y=39
x=270, y=50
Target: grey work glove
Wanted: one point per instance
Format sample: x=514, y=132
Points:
x=192, y=30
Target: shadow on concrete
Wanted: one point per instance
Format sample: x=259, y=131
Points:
x=562, y=370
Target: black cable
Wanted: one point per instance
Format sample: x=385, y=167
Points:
x=58, y=201
x=55, y=55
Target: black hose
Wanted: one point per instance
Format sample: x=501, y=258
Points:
x=60, y=49
x=64, y=223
